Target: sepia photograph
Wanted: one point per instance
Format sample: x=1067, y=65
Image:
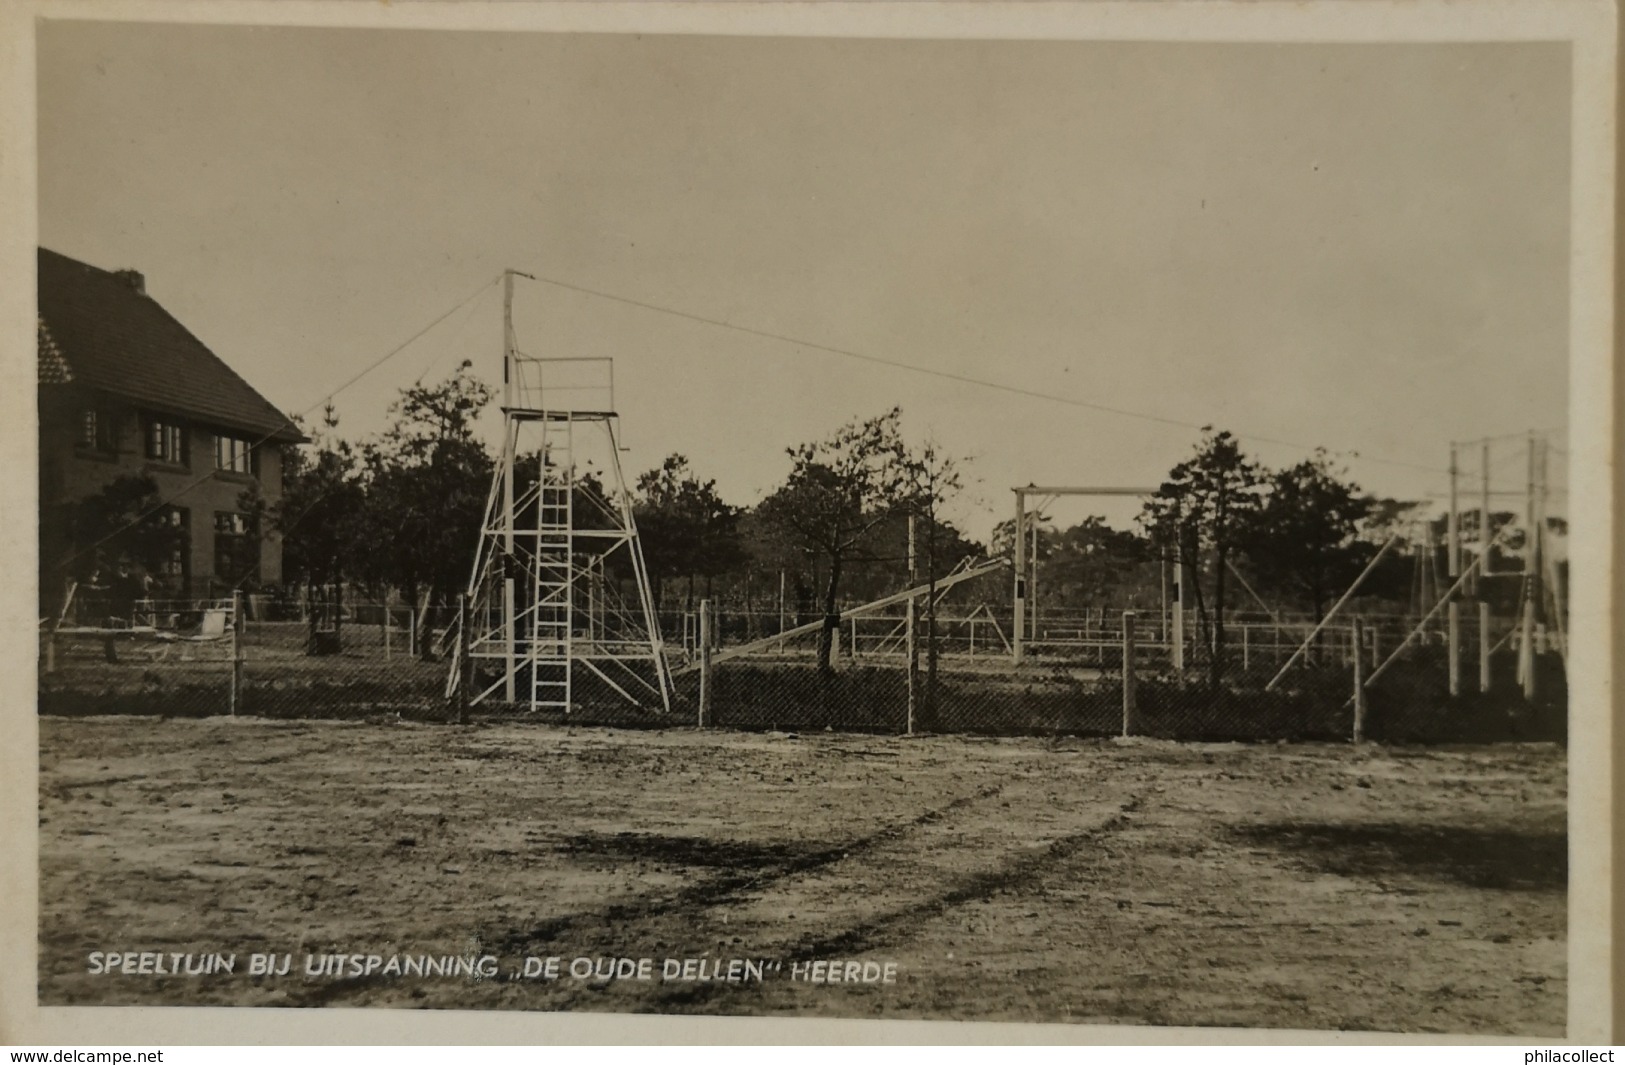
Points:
x=692, y=518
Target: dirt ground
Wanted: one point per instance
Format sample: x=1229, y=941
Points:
x=1131, y=882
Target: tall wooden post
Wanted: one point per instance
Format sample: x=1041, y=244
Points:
x=705, y=662
x=1162, y=634
x=1019, y=597
x=1526, y=650
x=911, y=626
x=781, y=611
x=1531, y=547
x=1032, y=581
x=1131, y=721
x=1483, y=646
x=1177, y=638
x=508, y=345
x=1359, y=685
x=1485, y=520
x=1453, y=653
x=236, y=651
x=912, y=662
x=1453, y=523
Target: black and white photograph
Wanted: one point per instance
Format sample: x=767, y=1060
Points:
x=733, y=513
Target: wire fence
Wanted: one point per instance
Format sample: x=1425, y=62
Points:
x=1102, y=673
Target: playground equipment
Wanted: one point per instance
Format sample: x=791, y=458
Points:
x=559, y=588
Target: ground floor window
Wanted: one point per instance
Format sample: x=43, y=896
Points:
x=173, y=570
x=236, y=548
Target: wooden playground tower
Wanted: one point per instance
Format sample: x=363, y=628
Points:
x=547, y=600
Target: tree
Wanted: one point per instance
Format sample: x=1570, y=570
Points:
x=1305, y=541
x=1204, y=511
x=929, y=477
x=838, y=492
x=1091, y=562
x=427, y=479
x=126, y=522
x=684, y=526
x=322, y=514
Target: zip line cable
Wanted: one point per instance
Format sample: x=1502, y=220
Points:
x=468, y=306
x=944, y=374
x=408, y=342
x=328, y=398
x=749, y=331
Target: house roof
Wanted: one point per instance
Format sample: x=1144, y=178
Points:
x=101, y=330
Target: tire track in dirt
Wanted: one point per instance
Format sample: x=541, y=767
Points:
x=726, y=887
x=704, y=894
x=1024, y=871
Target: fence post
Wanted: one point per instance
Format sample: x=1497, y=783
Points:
x=1130, y=707
x=705, y=661
x=1453, y=652
x=1246, y=654
x=387, y=648
x=236, y=651
x=1483, y=647
x=911, y=662
x=1526, y=650
x=1359, y=685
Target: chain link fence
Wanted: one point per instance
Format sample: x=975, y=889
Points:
x=1278, y=680
x=336, y=657
x=263, y=656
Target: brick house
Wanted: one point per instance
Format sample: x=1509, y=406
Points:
x=125, y=389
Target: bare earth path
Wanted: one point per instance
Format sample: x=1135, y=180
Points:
x=1141, y=882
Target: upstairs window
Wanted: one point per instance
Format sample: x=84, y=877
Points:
x=236, y=454
x=97, y=431
x=166, y=441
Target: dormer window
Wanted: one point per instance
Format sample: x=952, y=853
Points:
x=236, y=454
x=166, y=441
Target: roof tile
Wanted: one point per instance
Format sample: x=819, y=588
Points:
x=112, y=337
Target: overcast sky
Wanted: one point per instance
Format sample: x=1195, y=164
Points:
x=1362, y=247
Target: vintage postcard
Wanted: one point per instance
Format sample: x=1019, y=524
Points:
x=760, y=521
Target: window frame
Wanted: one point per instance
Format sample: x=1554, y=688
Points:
x=97, y=431
x=164, y=439
x=237, y=535
x=236, y=454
